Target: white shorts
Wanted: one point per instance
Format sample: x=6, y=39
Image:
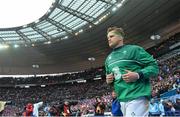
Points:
x=137, y=107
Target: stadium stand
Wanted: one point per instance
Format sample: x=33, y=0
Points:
x=71, y=37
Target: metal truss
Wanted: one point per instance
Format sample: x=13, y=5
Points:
x=78, y=14
x=61, y=26
x=2, y=40
x=43, y=33
x=23, y=36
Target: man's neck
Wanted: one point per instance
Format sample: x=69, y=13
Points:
x=118, y=46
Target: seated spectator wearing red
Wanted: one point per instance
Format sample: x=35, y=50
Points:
x=28, y=110
x=32, y=109
x=67, y=111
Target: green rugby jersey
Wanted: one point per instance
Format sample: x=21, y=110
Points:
x=136, y=59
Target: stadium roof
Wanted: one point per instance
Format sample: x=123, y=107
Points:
x=74, y=30
x=64, y=19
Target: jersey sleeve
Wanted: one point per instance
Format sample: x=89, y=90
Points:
x=107, y=68
x=149, y=64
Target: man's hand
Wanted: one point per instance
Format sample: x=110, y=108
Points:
x=130, y=76
x=109, y=78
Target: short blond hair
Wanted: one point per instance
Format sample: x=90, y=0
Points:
x=116, y=30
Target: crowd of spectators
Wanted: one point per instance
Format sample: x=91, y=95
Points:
x=49, y=79
x=59, y=88
x=168, y=77
x=165, y=46
x=85, y=93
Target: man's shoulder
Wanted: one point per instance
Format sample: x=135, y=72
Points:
x=133, y=46
x=109, y=56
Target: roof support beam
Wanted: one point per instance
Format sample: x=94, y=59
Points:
x=2, y=40
x=78, y=14
x=61, y=26
x=23, y=36
x=108, y=1
x=43, y=33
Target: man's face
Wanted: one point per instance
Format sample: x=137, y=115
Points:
x=114, y=95
x=114, y=39
x=66, y=103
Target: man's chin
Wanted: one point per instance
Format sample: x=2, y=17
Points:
x=111, y=46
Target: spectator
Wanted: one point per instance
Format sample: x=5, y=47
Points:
x=116, y=107
x=169, y=108
x=161, y=107
x=99, y=107
x=154, y=108
x=32, y=109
